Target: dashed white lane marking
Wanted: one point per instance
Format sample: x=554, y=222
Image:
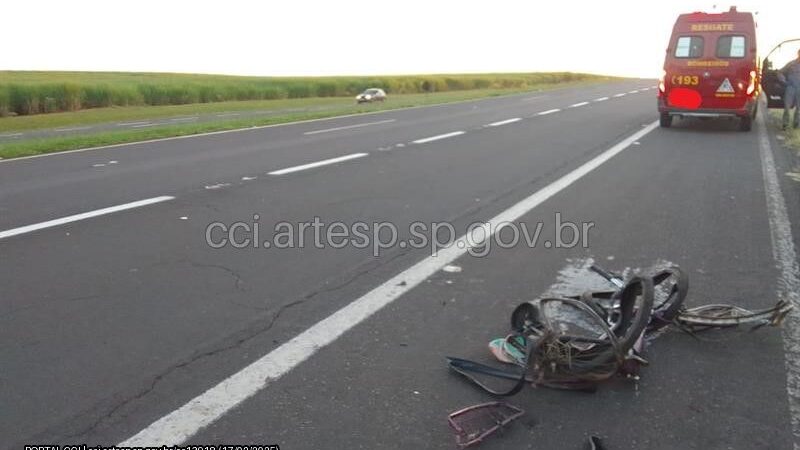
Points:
x=82, y=216
x=183, y=119
x=217, y=186
x=10, y=135
x=144, y=125
x=635, y=91
x=181, y=424
x=437, y=137
x=504, y=122
x=130, y=124
x=347, y=127
x=601, y=99
x=578, y=105
x=549, y=111
x=788, y=285
x=227, y=115
x=72, y=129
x=318, y=164
x=619, y=95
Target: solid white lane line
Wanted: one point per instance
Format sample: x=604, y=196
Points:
x=183, y=119
x=324, y=162
x=347, y=127
x=128, y=124
x=181, y=424
x=601, y=99
x=436, y=138
x=504, y=122
x=145, y=125
x=549, y=111
x=788, y=285
x=619, y=95
x=82, y=216
x=72, y=129
x=577, y=105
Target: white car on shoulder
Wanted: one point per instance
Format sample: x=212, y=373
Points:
x=371, y=95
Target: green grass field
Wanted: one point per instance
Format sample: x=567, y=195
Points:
x=409, y=91
x=27, y=93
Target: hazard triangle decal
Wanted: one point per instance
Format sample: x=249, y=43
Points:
x=726, y=87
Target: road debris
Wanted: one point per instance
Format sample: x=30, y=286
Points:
x=475, y=423
x=594, y=443
x=577, y=341
x=450, y=268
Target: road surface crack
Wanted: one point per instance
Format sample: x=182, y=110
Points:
x=236, y=343
x=238, y=282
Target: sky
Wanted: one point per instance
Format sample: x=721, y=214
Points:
x=355, y=37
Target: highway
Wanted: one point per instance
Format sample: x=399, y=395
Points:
x=121, y=324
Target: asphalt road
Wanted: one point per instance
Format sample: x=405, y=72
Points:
x=124, y=326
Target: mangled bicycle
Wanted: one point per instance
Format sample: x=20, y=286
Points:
x=574, y=342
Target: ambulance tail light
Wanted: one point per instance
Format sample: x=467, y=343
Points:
x=662, y=87
x=751, y=87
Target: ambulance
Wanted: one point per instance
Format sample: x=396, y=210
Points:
x=711, y=68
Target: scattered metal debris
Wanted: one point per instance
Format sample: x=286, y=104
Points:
x=475, y=423
x=594, y=443
x=575, y=342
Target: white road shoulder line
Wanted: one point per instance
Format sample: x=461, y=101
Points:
x=347, y=127
x=72, y=129
x=578, y=105
x=324, y=162
x=549, y=111
x=181, y=424
x=438, y=137
x=788, y=285
x=504, y=122
x=82, y=216
x=601, y=99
